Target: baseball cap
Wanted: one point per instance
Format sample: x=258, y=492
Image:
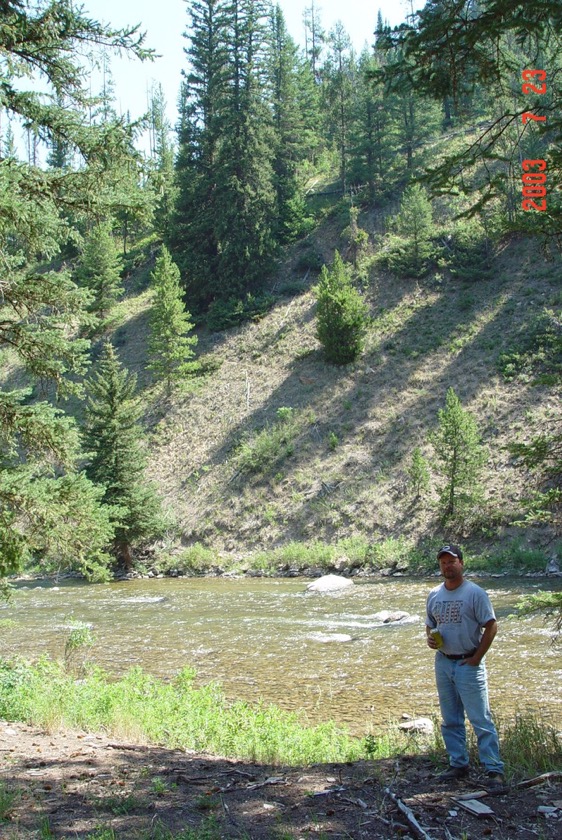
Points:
x=450, y=549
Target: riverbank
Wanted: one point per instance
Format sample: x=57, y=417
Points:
x=352, y=557
x=66, y=784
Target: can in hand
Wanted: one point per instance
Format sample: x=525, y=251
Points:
x=438, y=638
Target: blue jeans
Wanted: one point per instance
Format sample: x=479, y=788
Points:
x=464, y=689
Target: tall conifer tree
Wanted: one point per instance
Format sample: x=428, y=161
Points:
x=41, y=493
x=99, y=271
x=112, y=437
x=170, y=345
x=222, y=233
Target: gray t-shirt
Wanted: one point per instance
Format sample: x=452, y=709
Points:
x=460, y=614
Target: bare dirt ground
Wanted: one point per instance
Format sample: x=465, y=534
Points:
x=76, y=785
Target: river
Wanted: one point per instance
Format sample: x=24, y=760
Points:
x=269, y=639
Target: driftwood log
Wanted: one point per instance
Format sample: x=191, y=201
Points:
x=408, y=813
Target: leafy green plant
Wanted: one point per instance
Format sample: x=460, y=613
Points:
x=394, y=551
x=195, y=559
x=159, y=786
x=103, y=833
x=177, y=714
x=78, y=643
x=120, y=805
x=530, y=745
x=333, y=441
x=45, y=830
x=7, y=799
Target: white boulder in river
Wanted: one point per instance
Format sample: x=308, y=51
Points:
x=329, y=583
x=422, y=725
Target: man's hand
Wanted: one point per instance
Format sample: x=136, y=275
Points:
x=473, y=660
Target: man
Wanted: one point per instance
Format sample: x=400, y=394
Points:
x=462, y=613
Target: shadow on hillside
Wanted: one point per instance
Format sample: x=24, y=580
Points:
x=367, y=417
x=382, y=385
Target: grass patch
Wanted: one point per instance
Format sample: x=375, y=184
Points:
x=7, y=799
x=179, y=715
x=530, y=745
x=515, y=556
x=175, y=714
x=272, y=444
x=536, y=354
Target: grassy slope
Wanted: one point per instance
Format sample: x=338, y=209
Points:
x=357, y=425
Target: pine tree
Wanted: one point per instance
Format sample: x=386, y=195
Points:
x=288, y=126
x=373, y=133
x=47, y=509
x=418, y=473
x=314, y=39
x=170, y=344
x=414, y=224
x=161, y=173
x=223, y=231
x=460, y=458
x=338, y=85
x=192, y=238
x=99, y=271
x=112, y=437
x=245, y=178
x=341, y=315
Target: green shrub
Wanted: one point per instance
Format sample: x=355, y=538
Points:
x=225, y=314
x=175, y=714
x=309, y=260
x=342, y=314
x=468, y=253
x=394, y=551
x=409, y=252
x=537, y=351
x=195, y=560
x=530, y=745
x=271, y=445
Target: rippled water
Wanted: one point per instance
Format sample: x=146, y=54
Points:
x=270, y=639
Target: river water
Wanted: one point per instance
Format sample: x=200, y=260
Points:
x=269, y=639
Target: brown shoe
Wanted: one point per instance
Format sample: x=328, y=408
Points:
x=494, y=781
x=454, y=774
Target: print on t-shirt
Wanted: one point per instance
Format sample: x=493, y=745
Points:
x=448, y=612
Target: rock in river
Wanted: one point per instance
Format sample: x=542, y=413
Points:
x=329, y=583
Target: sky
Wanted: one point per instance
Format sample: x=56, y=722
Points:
x=165, y=21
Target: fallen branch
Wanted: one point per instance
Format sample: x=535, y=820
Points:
x=408, y=813
x=274, y=780
x=121, y=746
x=538, y=780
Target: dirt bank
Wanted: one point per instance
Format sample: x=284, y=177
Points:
x=71, y=783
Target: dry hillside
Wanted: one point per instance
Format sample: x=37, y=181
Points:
x=352, y=429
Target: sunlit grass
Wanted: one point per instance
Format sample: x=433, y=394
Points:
x=178, y=714
x=175, y=714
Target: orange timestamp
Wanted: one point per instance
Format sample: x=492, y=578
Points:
x=534, y=171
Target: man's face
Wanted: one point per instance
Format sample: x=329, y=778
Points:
x=451, y=567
